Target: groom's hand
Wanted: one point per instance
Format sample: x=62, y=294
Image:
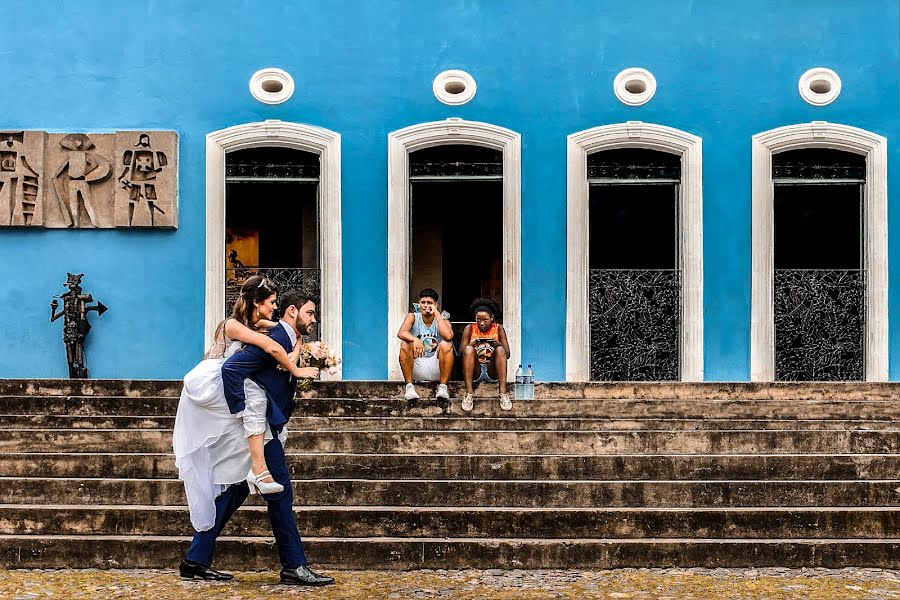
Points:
x=308, y=372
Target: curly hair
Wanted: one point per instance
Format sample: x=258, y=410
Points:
x=487, y=305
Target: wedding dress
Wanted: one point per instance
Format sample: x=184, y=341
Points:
x=209, y=441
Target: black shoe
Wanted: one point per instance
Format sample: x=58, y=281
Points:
x=191, y=570
x=303, y=575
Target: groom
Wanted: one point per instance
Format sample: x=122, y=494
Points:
x=299, y=313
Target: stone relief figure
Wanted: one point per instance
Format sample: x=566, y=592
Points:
x=73, y=179
x=141, y=167
x=18, y=182
x=75, y=325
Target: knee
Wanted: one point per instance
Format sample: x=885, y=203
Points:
x=405, y=349
x=468, y=351
x=500, y=352
x=445, y=348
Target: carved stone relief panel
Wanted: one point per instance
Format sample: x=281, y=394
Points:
x=147, y=179
x=80, y=186
x=89, y=180
x=22, y=182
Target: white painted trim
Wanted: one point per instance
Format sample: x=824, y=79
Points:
x=270, y=76
x=632, y=76
x=634, y=134
x=819, y=134
x=325, y=143
x=438, y=133
x=454, y=77
x=818, y=76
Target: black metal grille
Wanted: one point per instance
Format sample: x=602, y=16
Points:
x=635, y=317
x=307, y=281
x=818, y=164
x=456, y=161
x=819, y=324
x=633, y=163
x=271, y=163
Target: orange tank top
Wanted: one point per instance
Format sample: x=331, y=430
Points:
x=483, y=350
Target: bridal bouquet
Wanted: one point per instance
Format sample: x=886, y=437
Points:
x=317, y=354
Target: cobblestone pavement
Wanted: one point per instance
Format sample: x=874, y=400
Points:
x=673, y=584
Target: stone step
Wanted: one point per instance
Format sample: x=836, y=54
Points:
x=853, y=390
x=490, y=467
x=379, y=521
x=611, y=408
x=484, y=442
x=247, y=553
x=524, y=493
x=460, y=423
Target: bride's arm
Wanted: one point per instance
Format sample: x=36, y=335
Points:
x=235, y=330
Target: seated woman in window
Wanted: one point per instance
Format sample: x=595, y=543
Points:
x=485, y=350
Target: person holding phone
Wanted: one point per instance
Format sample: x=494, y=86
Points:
x=426, y=347
x=484, y=344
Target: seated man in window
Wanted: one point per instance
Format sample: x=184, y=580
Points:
x=426, y=349
x=485, y=350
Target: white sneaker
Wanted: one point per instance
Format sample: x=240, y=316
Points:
x=505, y=402
x=468, y=402
x=410, y=393
x=442, y=392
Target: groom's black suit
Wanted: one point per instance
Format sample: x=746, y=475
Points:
x=254, y=363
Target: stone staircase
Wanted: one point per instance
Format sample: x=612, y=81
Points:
x=586, y=476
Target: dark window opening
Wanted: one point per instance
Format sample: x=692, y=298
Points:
x=634, y=282
x=819, y=286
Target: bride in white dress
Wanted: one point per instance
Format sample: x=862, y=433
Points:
x=210, y=443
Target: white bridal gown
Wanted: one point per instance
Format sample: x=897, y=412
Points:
x=209, y=443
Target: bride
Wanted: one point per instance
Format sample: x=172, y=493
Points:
x=209, y=441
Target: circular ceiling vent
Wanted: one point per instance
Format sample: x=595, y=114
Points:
x=634, y=86
x=454, y=87
x=272, y=86
x=820, y=86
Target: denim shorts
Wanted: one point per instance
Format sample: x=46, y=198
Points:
x=484, y=377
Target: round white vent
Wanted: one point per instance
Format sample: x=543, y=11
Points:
x=634, y=86
x=454, y=87
x=820, y=86
x=272, y=86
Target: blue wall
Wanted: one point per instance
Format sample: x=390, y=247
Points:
x=364, y=69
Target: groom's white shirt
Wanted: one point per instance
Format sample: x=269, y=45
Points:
x=290, y=331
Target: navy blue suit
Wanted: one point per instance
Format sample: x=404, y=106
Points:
x=254, y=363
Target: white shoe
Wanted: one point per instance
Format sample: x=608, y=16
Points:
x=468, y=402
x=263, y=487
x=442, y=392
x=410, y=393
x=505, y=402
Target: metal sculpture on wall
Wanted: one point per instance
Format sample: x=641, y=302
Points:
x=819, y=324
x=75, y=324
x=634, y=318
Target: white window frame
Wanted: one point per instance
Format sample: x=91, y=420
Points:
x=634, y=134
x=440, y=133
x=819, y=134
x=327, y=145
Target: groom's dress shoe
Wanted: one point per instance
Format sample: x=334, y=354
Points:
x=303, y=575
x=192, y=570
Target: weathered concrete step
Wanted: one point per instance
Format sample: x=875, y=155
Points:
x=393, y=389
x=452, y=522
x=492, y=467
x=461, y=423
x=244, y=553
x=695, y=408
x=484, y=442
x=525, y=494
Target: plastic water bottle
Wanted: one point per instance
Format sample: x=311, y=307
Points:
x=519, y=389
x=529, y=383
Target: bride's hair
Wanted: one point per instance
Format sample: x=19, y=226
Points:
x=255, y=289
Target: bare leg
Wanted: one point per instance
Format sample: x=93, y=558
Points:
x=406, y=361
x=445, y=360
x=469, y=367
x=257, y=455
x=497, y=368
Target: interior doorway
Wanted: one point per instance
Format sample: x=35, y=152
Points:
x=456, y=228
x=271, y=219
x=634, y=276
x=820, y=277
